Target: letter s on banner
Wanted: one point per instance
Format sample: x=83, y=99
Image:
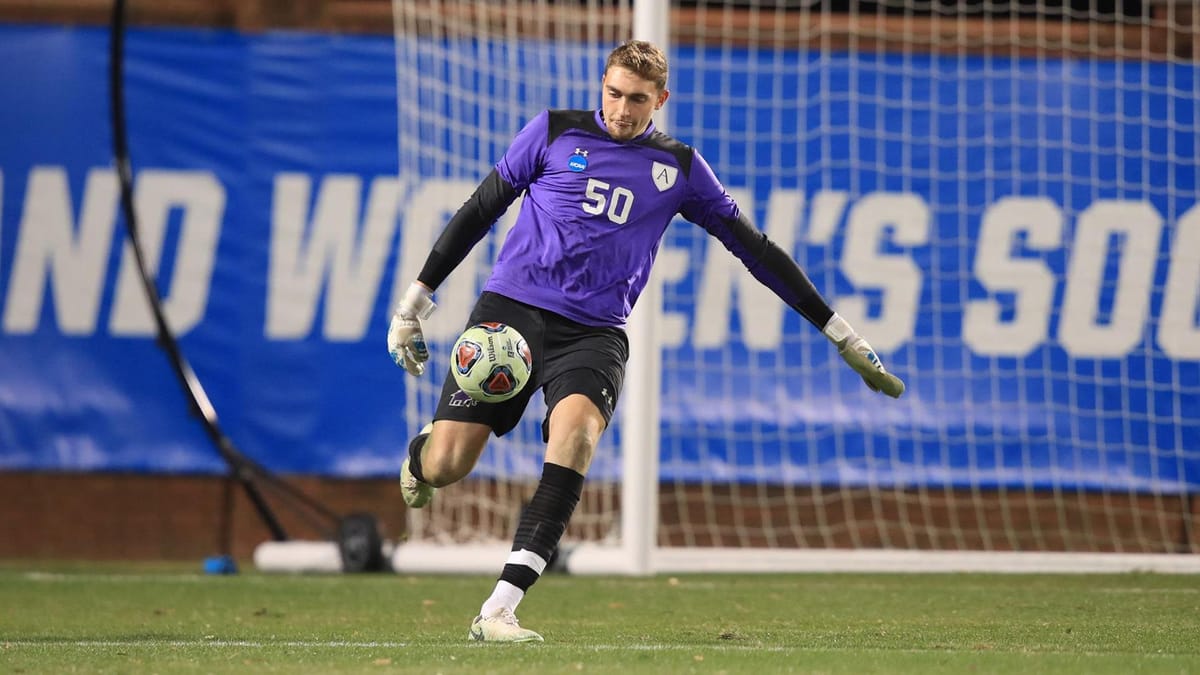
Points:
x=1031, y=281
x=897, y=276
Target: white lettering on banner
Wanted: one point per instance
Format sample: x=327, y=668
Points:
x=201, y=198
x=1080, y=330
x=1178, y=332
x=671, y=267
x=50, y=251
x=1030, y=281
x=329, y=256
x=825, y=214
x=761, y=311
x=332, y=256
x=907, y=217
x=765, y=311
x=424, y=216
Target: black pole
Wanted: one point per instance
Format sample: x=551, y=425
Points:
x=225, y=529
x=242, y=468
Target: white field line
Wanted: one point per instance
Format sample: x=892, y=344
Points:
x=695, y=648
x=188, y=577
x=218, y=644
x=90, y=577
x=338, y=644
x=680, y=582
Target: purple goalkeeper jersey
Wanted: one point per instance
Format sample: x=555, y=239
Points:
x=594, y=213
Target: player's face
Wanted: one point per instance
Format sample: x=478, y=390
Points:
x=629, y=102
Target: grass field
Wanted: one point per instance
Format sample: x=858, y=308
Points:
x=164, y=619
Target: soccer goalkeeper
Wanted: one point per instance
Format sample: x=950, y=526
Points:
x=600, y=188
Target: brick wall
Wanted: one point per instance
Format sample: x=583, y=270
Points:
x=101, y=516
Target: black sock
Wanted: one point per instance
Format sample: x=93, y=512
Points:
x=414, y=456
x=542, y=525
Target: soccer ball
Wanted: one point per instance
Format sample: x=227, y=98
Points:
x=491, y=362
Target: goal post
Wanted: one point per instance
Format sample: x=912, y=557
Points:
x=1002, y=199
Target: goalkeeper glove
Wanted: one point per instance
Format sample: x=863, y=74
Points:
x=406, y=342
x=857, y=352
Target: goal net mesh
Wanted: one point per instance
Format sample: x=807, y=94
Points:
x=1001, y=197
x=469, y=76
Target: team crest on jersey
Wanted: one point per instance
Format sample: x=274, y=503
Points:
x=578, y=160
x=664, y=176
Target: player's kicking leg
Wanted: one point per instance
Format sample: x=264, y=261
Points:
x=415, y=491
x=575, y=428
x=439, y=457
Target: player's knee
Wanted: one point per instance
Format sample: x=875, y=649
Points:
x=448, y=458
x=575, y=428
x=443, y=468
x=573, y=445
x=582, y=439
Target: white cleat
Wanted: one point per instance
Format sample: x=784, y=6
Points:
x=415, y=493
x=500, y=626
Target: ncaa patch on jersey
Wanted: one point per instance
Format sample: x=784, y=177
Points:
x=578, y=161
x=664, y=176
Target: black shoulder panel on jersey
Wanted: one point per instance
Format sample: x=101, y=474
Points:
x=562, y=121
x=683, y=153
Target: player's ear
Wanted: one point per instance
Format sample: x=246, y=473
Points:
x=662, y=98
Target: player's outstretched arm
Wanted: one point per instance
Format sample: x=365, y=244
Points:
x=857, y=352
x=405, y=341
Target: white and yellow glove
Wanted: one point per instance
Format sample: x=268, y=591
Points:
x=406, y=342
x=857, y=352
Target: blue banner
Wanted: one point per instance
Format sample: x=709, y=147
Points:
x=1019, y=239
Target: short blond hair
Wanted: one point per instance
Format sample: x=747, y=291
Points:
x=642, y=59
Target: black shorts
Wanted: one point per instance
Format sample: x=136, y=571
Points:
x=568, y=358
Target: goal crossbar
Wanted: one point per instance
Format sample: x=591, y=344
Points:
x=592, y=559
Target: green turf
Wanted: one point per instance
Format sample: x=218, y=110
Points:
x=132, y=619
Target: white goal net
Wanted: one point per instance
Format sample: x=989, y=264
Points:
x=1002, y=197
x=469, y=76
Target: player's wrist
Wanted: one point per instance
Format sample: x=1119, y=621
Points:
x=838, y=330
x=417, y=302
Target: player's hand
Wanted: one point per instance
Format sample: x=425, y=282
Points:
x=406, y=342
x=857, y=352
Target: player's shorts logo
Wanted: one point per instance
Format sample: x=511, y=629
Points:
x=578, y=161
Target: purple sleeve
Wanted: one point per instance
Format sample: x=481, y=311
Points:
x=710, y=206
x=519, y=166
x=522, y=162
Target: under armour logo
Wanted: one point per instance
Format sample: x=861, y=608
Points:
x=578, y=161
x=607, y=396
